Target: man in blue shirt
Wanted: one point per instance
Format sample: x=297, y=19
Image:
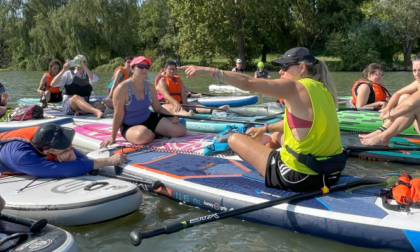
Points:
x=46, y=151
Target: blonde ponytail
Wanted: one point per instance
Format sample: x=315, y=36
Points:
x=320, y=72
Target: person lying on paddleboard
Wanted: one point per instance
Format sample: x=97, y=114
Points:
x=46, y=92
x=369, y=91
x=132, y=115
x=120, y=74
x=78, y=88
x=312, y=144
x=401, y=112
x=261, y=72
x=171, y=89
x=3, y=100
x=46, y=151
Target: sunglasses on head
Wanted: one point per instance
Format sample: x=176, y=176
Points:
x=141, y=66
x=128, y=61
x=286, y=66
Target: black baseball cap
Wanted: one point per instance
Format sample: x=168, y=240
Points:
x=53, y=136
x=295, y=55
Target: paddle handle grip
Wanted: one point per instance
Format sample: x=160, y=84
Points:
x=34, y=226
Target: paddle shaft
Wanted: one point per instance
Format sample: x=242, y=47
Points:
x=360, y=109
x=137, y=236
x=212, y=108
x=34, y=226
x=211, y=119
x=380, y=148
x=202, y=94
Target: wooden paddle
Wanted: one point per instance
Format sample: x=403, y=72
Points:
x=137, y=236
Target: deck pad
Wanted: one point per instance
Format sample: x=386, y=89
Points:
x=241, y=177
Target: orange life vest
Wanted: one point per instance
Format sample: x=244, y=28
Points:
x=53, y=90
x=24, y=135
x=406, y=192
x=377, y=91
x=125, y=74
x=160, y=75
x=174, y=87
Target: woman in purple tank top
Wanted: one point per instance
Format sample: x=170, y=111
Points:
x=132, y=116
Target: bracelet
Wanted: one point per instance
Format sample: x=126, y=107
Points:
x=266, y=128
x=214, y=71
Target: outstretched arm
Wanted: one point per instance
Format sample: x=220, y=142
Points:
x=279, y=88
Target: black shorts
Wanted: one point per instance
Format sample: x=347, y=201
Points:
x=56, y=97
x=151, y=123
x=278, y=175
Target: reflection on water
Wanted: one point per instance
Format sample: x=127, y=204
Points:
x=223, y=235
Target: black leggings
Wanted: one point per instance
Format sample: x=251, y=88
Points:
x=151, y=123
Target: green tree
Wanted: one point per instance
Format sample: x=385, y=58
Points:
x=404, y=22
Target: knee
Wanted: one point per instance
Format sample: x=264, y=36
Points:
x=75, y=98
x=234, y=138
x=145, y=137
x=181, y=131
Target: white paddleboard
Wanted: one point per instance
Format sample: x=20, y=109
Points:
x=69, y=201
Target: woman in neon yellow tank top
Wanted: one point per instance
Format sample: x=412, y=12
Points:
x=312, y=156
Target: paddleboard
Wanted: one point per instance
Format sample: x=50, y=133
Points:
x=218, y=184
x=365, y=121
x=36, y=101
x=391, y=154
x=70, y=201
x=12, y=125
x=225, y=88
x=50, y=238
x=232, y=101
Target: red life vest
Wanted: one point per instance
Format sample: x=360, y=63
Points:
x=24, y=135
x=125, y=74
x=377, y=91
x=53, y=90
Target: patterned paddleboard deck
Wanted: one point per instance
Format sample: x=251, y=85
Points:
x=217, y=184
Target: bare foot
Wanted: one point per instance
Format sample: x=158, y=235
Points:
x=225, y=107
x=376, y=132
x=99, y=114
x=375, y=140
x=191, y=113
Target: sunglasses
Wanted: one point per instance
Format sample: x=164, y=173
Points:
x=128, y=61
x=141, y=66
x=286, y=66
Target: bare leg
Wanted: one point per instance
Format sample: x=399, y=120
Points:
x=78, y=103
x=183, y=112
x=388, y=123
x=165, y=127
x=47, y=95
x=139, y=135
x=251, y=151
x=108, y=103
x=400, y=124
x=206, y=110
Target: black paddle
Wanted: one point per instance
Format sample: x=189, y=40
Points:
x=380, y=148
x=136, y=236
x=213, y=108
x=211, y=119
x=34, y=226
x=202, y=94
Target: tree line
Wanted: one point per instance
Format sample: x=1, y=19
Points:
x=358, y=32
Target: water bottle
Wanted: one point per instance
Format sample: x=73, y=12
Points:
x=75, y=62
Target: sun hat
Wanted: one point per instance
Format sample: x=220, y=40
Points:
x=295, y=55
x=53, y=136
x=238, y=61
x=139, y=59
x=260, y=64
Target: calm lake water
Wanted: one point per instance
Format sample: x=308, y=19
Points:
x=224, y=235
